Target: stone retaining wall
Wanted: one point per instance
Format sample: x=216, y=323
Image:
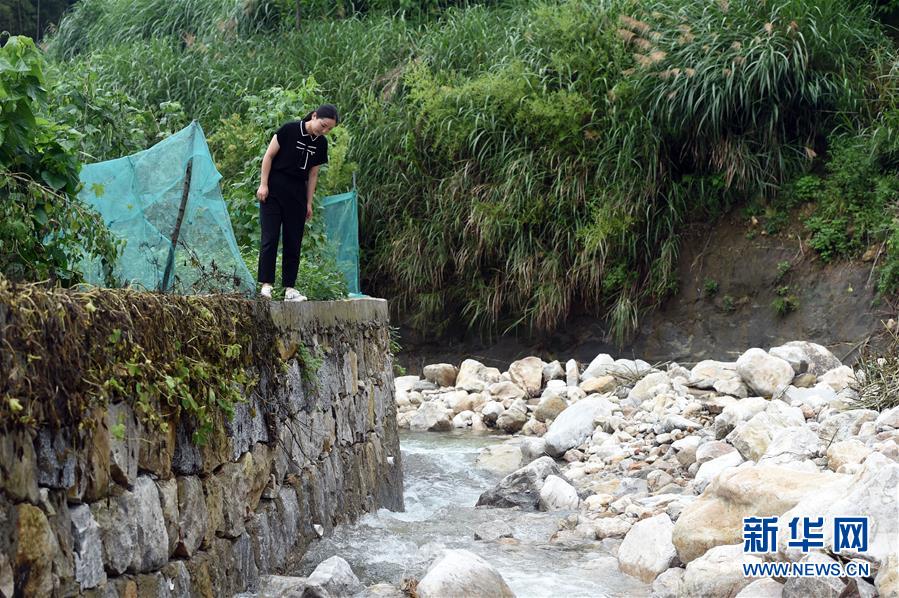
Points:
x=144, y=513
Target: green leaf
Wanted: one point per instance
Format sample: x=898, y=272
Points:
x=40, y=215
x=55, y=181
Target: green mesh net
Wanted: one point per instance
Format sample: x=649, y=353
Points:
x=342, y=232
x=165, y=204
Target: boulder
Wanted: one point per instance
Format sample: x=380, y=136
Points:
x=521, y=488
x=791, y=444
x=506, y=391
x=336, y=576
x=710, y=470
x=716, y=517
x=491, y=412
x=752, y=437
x=736, y=412
x=666, y=585
x=599, y=385
x=572, y=376
x=513, y=419
x=685, y=450
x=500, y=458
x=819, y=587
x=816, y=397
x=846, y=452
x=192, y=516
x=712, y=450
x=839, y=379
x=869, y=493
x=456, y=401
x=441, y=374
x=717, y=573
x=887, y=580
x=764, y=374
x=843, y=425
x=806, y=357
x=474, y=376
x=404, y=383
x=528, y=374
x=575, y=424
x=887, y=420
x=558, y=495
x=598, y=367
x=648, y=387
x=553, y=371
x=762, y=588
x=431, y=416
x=463, y=419
x=611, y=527
x=491, y=531
x=151, y=540
x=462, y=573
x=706, y=373
x=647, y=549
x=549, y=408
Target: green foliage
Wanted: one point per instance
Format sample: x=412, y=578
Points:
x=786, y=302
x=710, y=287
x=44, y=229
x=783, y=268
x=517, y=160
x=728, y=304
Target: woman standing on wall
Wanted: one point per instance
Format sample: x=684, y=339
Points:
x=289, y=174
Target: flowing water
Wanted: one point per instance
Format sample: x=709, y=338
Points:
x=442, y=486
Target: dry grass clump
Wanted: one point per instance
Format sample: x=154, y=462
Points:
x=878, y=375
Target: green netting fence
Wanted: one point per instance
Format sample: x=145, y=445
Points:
x=165, y=204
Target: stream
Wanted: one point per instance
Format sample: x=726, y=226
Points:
x=442, y=485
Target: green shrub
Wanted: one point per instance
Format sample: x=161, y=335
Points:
x=44, y=230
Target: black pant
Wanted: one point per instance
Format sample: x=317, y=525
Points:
x=285, y=216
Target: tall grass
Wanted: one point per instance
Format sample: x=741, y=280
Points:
x=522, y=160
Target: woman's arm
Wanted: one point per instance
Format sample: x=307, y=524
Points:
x=273, y=147
x=310, y=190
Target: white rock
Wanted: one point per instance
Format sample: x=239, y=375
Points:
x=649, y=386
x=839, y=378
x=794, y=443
x=528, y=374
x=474, y=376
x=842, y=426
x=647, y=549
x=575, y=424
x=610, y=527
x=869, y=493
x=816, y=357
x=462, y=573
x=736, y=412
x=463, y=419
x=500, y=458
x=716, y=517
x=405, y=383
x=572, y=376
x=667, y=584
x=706, y=373
x=504, y=390
x=686, y=449
x=752, y=437
x=554, y=371
x=717, y=573
x=846, y=452
x=762, y=588
x=598, y=367
x=336, y=576
x=816, y=397
x=887, y=580
x=456, y=401
x=710, y=470
x=431, y=416
x=764, y=374
x=558, y=495
x=712, y=450
x=513, y=419
x=887, y=419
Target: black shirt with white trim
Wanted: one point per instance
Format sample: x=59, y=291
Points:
x=300, y=150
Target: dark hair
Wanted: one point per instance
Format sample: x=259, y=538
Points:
x=325, y=111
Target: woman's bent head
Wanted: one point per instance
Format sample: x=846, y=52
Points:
x=321, y=120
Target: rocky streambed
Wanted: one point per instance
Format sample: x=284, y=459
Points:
x=621, y=478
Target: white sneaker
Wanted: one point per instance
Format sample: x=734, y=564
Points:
x=291, y=294
x=266, y=291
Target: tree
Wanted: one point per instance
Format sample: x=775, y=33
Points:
x=31, y=17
